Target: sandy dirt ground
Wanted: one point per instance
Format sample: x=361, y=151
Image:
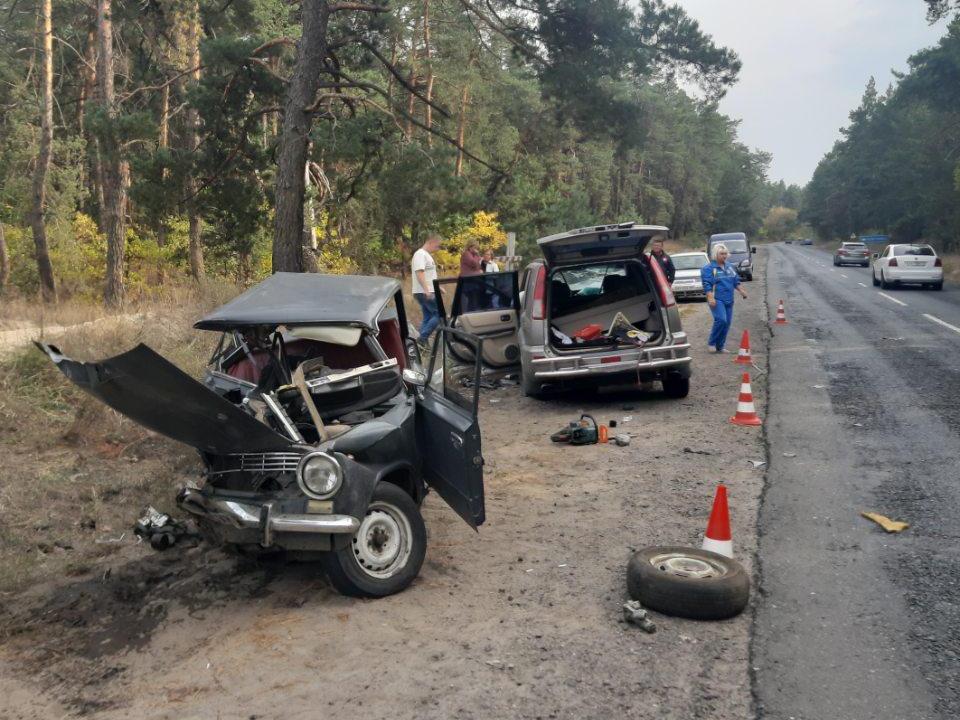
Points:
x=520, y=620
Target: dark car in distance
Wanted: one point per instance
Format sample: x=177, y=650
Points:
x=740, y=251
x=317, y=430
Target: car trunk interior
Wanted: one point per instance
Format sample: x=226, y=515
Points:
x=583, y=295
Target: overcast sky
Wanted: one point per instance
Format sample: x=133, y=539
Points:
x=805, y=66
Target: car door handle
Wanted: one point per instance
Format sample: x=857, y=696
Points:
x=504, y=318
x=456, y=440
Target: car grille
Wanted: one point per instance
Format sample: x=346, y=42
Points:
x=271, y=462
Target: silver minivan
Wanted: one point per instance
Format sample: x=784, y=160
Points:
x=587, y=276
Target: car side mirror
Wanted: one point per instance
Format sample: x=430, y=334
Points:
x=753, y=250
x=875, y=256
x=414, y=377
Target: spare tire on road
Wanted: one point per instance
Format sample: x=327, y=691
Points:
x=687, y=582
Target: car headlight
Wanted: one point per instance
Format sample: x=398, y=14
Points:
x=319, y=475
x=745, y=263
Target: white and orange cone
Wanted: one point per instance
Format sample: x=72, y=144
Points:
x=781, y=314
x=746, y=412
x=743, y=355
x=718, y=538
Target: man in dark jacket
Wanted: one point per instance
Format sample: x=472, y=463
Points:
x=658, y=254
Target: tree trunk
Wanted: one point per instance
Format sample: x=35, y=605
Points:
x=412, y=82
x=428, y=110
x=294, y=137
x=462, y=129
x=114, y=171
x=4, y=262
x=193, y=130
x=163, y=142
x=48, y=286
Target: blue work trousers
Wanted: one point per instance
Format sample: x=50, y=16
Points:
x=431, y=316
x=722, y=319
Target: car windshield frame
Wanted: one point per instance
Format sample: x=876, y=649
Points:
x=735, y=245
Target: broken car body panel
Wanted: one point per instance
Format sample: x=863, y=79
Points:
x=158, y=395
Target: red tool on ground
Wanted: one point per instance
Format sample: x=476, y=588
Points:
x=781, y=314
x=746, y=412
x=743, y=354
x=718, y=538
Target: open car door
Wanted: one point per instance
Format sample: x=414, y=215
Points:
x=484, y=305
x=449, y=434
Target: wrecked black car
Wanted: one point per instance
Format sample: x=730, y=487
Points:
x=317, y=426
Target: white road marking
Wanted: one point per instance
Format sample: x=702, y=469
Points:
x=861, y=284
x=843, y=276
x=938, y=321
x=892, y=299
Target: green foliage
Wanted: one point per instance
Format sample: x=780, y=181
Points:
x=895, y=169
x=573, y=115
x=780, y=223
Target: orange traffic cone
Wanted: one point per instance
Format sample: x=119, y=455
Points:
x=781, y=314
x=743, y=355
x=718, y=538
x=746, y=413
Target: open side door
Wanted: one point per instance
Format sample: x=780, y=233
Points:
x=487, y=306
x=447, y=427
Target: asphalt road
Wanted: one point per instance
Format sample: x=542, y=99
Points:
x=864, y=393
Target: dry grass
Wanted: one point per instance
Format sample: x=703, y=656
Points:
x=76, y=474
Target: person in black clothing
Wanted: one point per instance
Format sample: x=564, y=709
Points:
x=666, y=264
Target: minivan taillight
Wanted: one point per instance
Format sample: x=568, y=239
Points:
x=666, y=292
x=938, y=263
x=893, y=263
x=539, y=291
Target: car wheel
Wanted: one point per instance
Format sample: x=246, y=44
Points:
x=835, y=263
x=689, y=583
x=386, y=553
x=873, y=278
x=749, y=277
x=675, y=385
x=883, y=282
x=530, y=387
x=938, y=286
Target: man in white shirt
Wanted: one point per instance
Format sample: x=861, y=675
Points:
x=424, y=272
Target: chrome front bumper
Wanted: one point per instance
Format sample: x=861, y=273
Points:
x=560, y=367
x=250, y=516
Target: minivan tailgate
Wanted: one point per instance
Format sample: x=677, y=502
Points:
x=602, y=242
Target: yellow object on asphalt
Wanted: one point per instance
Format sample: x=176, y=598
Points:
x=891, y=526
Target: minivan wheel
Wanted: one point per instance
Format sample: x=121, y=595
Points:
x=675, y=385
x=386, y=553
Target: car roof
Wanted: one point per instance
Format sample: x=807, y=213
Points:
x=692, y=252
x=305, y=299
x=720, y=237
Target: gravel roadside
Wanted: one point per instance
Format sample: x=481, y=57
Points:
x=522, y=620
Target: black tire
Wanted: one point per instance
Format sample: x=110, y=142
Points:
x=529, y=387
x=835, y=263
x=883, y=282
x=675, y=385
x=873, y=279
x=391, y=516
x=938, y=286
x=750, y=277
x=716, y=597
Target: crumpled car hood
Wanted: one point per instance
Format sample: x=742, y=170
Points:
x=158, y=395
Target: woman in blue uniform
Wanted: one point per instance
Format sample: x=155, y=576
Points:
x=719, y=282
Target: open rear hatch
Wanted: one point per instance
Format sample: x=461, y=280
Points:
x=624, y=241
x=158, y=395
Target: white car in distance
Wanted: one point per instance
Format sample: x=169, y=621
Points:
x=907, y=263
x=687, y=283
